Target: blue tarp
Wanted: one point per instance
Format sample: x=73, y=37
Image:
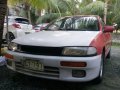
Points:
x=2, y=61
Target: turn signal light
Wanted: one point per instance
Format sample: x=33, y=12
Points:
x=73, y=64
x=9, y=56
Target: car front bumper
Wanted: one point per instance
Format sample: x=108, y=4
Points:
x=53, y=69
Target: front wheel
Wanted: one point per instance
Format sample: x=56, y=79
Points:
x=100, y=76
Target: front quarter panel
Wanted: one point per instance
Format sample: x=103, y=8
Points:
x=102, y=41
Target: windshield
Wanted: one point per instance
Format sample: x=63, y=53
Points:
x=74, y=24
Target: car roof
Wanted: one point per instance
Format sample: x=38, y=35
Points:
x=82, y=16
x=16, y=17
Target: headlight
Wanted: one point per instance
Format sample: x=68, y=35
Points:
x=79, y=51
x=12, y=46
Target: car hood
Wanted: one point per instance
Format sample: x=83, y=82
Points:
x=58, y=38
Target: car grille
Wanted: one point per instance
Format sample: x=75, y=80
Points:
x=37, y=50
x=50, y=72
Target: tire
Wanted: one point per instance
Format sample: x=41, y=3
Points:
x=101, y=72
x=109, y=55
x=10, y=38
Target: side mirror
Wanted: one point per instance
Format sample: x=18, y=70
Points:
x=108, y=28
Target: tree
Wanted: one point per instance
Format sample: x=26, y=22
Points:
x=3, y=9
x=109, y=10
x=50, y=6
x=94, y=8
x=86, y=2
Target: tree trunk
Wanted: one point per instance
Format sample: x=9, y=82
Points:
x=27, y=9
x=38, y=12
x=29, y=16
x=3, y=9
x=105, y=11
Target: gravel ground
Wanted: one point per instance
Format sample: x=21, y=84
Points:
x=12, y=81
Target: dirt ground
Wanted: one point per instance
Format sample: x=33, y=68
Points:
x=11, y=81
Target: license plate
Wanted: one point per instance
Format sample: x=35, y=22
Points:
x=33, y=64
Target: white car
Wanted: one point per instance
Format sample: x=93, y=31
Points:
x=69, y=49
x=17, y=27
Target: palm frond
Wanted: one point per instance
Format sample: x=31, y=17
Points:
x=96, y=8
x=49, y=17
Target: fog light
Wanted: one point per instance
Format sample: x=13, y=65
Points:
x=78, y=73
